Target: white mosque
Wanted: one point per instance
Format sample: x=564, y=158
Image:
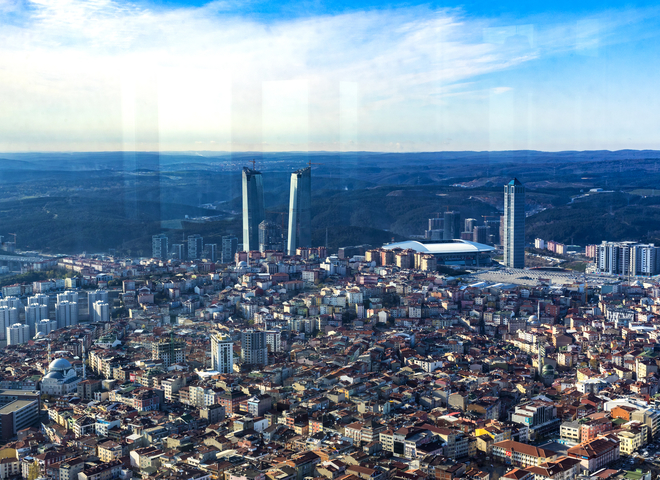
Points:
x=60, y=379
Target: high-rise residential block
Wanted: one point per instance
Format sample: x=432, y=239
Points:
x=253, y=208
x=211, y=251
x=300, y=210
x=66, y=314
x=254, y=348
x=480, y=234
x=101, y=311
x=270, y=236
x=66, y=309
x=170, y=351
x=160, y=246
x=470, y=223
x=8, y=317
x=436, y=223
x=274, y=341
x=514, y=224
x=45, y=326
x=229, y=248
x=34, y=313
x=222, y=353
x=628, y=258
x=195, y=247
x=452, y=226
x=93, y=297
x=178, y=251
x=18, y=334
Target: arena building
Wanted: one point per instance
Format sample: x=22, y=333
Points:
x=450, y=252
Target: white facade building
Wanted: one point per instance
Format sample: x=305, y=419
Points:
x=66, y=313
x=222, y=354
x=18, y=334
x=101, y=311
x=274, y=341
x=45, y=326
x=8, y=317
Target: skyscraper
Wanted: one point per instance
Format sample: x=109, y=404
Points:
x=300, y=210
x=222, y=353
x=452, y=228
x=514, y=224
x=254, y=348
x=195, y=247
x=270, y=236
x=160, y=246
x=253, y=208
x=229, y=247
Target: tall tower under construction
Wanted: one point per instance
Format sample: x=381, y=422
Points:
x=300, y=210
x=253, y=208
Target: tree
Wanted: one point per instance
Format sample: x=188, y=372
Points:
x=33, y=471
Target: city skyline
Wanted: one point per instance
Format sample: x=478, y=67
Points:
x=222, y=76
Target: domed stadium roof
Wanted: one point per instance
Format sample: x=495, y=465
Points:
x=59, y=364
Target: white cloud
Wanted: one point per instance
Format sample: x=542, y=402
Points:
x=203, y=73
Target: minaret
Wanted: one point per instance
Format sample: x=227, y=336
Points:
x=83, y=360
x=538, y=356
x=48, y=352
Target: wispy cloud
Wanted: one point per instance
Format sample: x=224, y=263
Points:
x=66, y=62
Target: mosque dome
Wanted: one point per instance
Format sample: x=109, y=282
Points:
x=533, y=319
x=59, y=365
x=548, y=370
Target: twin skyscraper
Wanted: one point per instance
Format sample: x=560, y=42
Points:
x=300, y=209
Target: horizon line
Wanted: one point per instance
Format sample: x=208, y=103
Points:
x=303, y=152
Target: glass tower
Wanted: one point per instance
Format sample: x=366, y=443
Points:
x=300, y=210
x=514, y=224
x=253, y=208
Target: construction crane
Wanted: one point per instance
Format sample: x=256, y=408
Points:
x=309, y=163
x=254, y=164
x=279, y=213
x=14, y=239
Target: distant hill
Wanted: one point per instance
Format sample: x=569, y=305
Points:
x=74, y=202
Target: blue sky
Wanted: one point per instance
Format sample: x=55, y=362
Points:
x=98, y=75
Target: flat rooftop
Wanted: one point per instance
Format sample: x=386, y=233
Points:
x=19, y=393
x=15, y=406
